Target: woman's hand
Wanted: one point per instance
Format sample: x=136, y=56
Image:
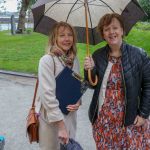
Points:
x=139, y=121
x=62, y=132
x=88, y=63
x=74, y=107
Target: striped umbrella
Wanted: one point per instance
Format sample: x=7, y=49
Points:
x=47, y=12
x=84, y=15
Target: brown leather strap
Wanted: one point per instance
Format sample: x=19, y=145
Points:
x=54, y=65
x=35, y=91
x=37, y=83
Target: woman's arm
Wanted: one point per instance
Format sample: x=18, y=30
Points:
x=47, y=86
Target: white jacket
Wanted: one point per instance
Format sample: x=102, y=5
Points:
x=47, y=85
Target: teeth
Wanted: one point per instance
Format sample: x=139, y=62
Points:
x=112, y=37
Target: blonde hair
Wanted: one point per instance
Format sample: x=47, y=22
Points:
x=54, y=34
x=106, y=20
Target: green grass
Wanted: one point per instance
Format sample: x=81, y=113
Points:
x=22, y=52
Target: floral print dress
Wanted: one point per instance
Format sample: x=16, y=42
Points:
x=107, y=130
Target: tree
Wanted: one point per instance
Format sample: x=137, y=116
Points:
x=2, y=2
x=24, y=6
x=145, y=4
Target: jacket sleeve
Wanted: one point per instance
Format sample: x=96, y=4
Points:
x=145, y=95
x=47, y=86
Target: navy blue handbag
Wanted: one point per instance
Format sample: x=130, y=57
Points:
x=69, y=88
x=71, y=145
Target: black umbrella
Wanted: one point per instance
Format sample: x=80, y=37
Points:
x=84, y=15
x=47, y=12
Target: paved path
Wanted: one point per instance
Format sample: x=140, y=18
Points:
x=15, y=99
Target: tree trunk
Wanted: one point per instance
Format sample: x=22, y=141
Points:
x=22, y=16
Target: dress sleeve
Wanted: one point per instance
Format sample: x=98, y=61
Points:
x=47, y=87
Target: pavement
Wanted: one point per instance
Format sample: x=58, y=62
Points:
x=16, y=93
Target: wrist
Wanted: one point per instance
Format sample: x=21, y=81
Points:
x=143, y=115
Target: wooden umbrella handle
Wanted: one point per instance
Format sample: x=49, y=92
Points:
x=93, y=83
x=87, y=45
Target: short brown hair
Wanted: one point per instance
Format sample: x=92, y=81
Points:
x=107, y=19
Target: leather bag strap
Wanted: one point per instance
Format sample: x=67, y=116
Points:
x=35, y=91
x=37, y=83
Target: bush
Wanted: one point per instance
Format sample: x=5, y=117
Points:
x=145, y=4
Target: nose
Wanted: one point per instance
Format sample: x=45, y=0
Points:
x=111, y=30
x=66, y=37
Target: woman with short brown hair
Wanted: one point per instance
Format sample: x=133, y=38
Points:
x=120, y=107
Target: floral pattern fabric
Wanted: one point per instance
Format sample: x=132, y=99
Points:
x=108, y=130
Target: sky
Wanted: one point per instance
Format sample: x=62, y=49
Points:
x=11, y=5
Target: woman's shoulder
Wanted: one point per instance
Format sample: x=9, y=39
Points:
x=46, y=58
x=100, y=51
x=135, y=49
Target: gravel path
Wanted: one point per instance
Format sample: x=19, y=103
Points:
x=15, y=99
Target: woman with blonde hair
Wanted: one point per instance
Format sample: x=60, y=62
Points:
x=56, y=127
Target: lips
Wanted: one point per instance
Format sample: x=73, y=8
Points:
x=67, y=44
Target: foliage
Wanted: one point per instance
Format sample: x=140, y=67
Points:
x=2, y=2
x=145, y=4
x=143, y=26
x=31, y=2
x=22, y=52
x=24, y=6
x=28, y=2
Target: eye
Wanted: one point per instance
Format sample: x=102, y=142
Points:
x=105, y=29
x=115, y=28
x=70, y=34
x=61, y=35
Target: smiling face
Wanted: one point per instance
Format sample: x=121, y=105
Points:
x=64, y=38
x=113, y=33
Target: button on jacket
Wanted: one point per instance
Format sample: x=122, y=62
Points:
x=136, y=79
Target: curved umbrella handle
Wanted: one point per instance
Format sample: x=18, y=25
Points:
x=93, y=83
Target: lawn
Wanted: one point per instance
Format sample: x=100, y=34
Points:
x=22, y=52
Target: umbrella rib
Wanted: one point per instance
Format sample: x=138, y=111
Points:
x=98, y=5
x=78, y=8
x=44, y=14
x=71, y=10
x=107, y=5
x=137, y=4
x=69, y=3
x=95, y=4
x=52, y=6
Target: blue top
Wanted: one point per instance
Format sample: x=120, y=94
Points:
x=2, y=138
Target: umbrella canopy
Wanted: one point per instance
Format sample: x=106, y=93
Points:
x=47, y=12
